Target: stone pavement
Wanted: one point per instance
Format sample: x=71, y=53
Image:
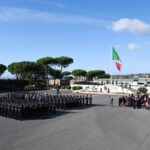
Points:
x=100, y=127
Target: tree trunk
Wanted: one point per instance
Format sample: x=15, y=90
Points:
x=46, y=75
x=61, y=75
x=54, y=81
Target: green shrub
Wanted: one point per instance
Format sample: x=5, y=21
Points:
x=62, y=87
x=77, y=87
x=74, y=88
x=142, y=90
x=68, y=87
x=29, y=88
x=56, y=86
x=12, y=85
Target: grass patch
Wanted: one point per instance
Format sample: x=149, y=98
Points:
x=121, y=93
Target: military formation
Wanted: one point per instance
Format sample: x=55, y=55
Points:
x=23, y=106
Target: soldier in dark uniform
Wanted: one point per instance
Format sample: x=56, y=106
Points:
x=86, y=99
x=58, y=90
x=139, y=103
x=120, y=101
x=23, y=106
x=101, y=90
x=134, y=103
x=90, y=100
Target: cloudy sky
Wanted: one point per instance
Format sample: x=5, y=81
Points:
x=82, y=29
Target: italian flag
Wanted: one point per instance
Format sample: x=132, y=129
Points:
x=116, y=58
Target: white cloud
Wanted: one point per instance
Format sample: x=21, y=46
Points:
x=13, y=14
x=134, y=46
x=131, y=25
x=60, y=5
x=47, y=2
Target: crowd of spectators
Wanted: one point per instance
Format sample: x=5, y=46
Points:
x=135, y=101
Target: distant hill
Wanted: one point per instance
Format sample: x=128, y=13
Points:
x=132, y=76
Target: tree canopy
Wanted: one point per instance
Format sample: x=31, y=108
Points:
x=14, y=68
x=47, y=61
x=25, y=69
x=55, y=73
x=79, y=72
x=106, y=76
x=142, y=90
x=66, y=73
x=95, y=74
x=64, y=61
x=31, y=71
x=43, y=67
x=2, y=69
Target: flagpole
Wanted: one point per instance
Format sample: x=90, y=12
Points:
x=116, y=58
x=111, y=78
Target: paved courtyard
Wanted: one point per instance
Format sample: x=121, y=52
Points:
x=100, y=127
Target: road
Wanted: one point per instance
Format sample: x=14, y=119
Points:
x=100, y=127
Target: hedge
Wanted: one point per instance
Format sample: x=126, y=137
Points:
x=76, y=87
x=12, y=85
